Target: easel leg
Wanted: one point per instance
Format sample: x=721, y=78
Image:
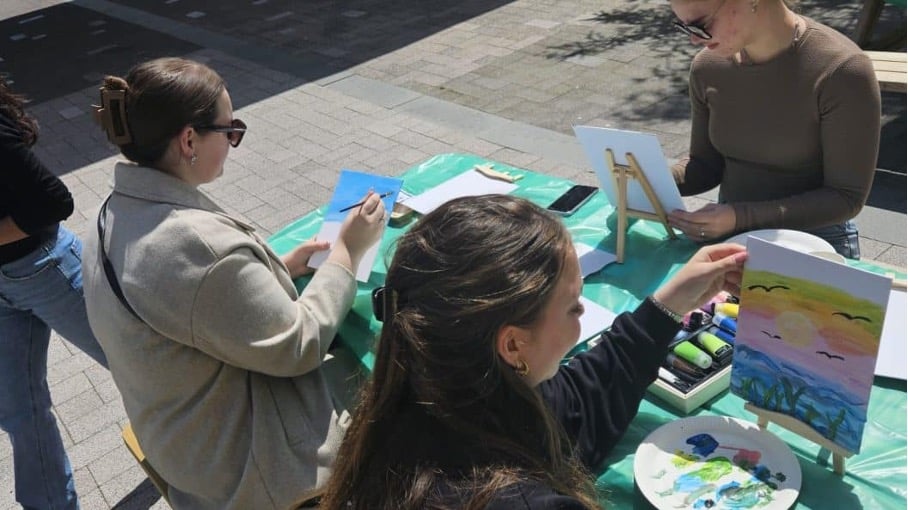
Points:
x=622, y=214
x=838, y=464
x=621, y=174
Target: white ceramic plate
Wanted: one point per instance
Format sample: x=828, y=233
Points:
x=716, y=462
x=793, y=239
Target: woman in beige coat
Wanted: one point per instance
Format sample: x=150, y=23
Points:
x=220, y=363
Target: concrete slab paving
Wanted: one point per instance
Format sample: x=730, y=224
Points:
x=376, y=86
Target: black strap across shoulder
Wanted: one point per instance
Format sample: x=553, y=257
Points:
x=108, y=267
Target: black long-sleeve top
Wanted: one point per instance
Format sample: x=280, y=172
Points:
x=33, y=197
x=594, y=397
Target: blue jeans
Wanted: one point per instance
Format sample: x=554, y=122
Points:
x=40, y=291
x=843, y=237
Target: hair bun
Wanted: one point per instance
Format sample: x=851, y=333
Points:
x=115, y=83
x=111, y=114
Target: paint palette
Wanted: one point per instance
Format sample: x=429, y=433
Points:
x=791, y=239
x=718, y=463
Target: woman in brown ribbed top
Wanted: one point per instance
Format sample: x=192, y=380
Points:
x=785, y=120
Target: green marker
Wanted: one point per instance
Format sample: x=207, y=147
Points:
x=714, y=345
x=690, y=352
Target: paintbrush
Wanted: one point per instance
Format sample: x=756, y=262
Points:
x=358, y=204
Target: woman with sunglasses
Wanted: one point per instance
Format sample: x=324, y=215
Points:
x=223, y=368
x=785, y=121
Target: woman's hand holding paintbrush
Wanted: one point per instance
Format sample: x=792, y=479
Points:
x=360, y=204
x=362, y=228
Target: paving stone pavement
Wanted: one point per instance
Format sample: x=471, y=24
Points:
x=377, y=86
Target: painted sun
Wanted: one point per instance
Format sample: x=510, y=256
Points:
x=796, y=329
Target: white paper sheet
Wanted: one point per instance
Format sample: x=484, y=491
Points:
x=646, y=149
x=592, y=259
x=468, y=184
x=892, y=361
x=594, y=320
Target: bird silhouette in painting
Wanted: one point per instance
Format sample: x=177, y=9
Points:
x=852, y=317
x=831, y=356
x=770, y=335
x=767, y=288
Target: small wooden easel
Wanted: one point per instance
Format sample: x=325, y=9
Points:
x=622, y=173
x=800, y=428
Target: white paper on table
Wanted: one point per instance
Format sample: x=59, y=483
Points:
x=892, y=360
x=594, y=320
x=592, y=259
x=646, y=149
x=468, y=184
x=402, y=196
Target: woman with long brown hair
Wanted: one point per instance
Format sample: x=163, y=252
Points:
x=40, y=290
x=468, y=405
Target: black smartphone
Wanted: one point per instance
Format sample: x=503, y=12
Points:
x=571, y=200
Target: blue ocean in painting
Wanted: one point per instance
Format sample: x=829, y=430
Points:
x=821, y=403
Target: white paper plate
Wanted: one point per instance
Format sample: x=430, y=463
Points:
x=793, y=239
x=674, y=467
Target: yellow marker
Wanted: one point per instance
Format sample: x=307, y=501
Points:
x=727, y=309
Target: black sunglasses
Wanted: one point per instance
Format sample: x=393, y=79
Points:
x=235, y=131
x=698, y=29
x=695, y=30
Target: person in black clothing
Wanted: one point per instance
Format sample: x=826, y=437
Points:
x=40, y=289
x=468, y=405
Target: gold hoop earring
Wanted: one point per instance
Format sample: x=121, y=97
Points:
x=522, y=369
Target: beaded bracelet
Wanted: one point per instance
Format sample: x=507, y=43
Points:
x=664, y=309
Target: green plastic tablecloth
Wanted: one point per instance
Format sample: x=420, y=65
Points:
x=875, y=478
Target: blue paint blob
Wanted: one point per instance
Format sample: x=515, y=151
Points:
x=704, y=444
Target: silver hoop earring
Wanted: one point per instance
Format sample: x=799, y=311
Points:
x=192, y=160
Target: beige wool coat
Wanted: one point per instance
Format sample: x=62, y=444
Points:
x=223, y=379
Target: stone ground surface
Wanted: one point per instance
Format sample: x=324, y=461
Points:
x=371, y=85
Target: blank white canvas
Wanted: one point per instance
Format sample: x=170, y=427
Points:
x=646, y=148
x=892, y=360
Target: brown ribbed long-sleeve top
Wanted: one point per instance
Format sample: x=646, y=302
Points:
x=792, y=142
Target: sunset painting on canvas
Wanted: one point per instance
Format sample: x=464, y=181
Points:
x=808, y=335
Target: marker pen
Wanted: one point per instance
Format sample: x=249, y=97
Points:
x=684, y=376
x=672, y=379
x=726, y=323
x=690, y=352
x=714, y=345
x=682, y=366
x=724, y=335
x=727, y=309
x=696, y=321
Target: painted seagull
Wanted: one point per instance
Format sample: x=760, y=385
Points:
x=767, y=289
x=831, y=356
x=852, y=317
